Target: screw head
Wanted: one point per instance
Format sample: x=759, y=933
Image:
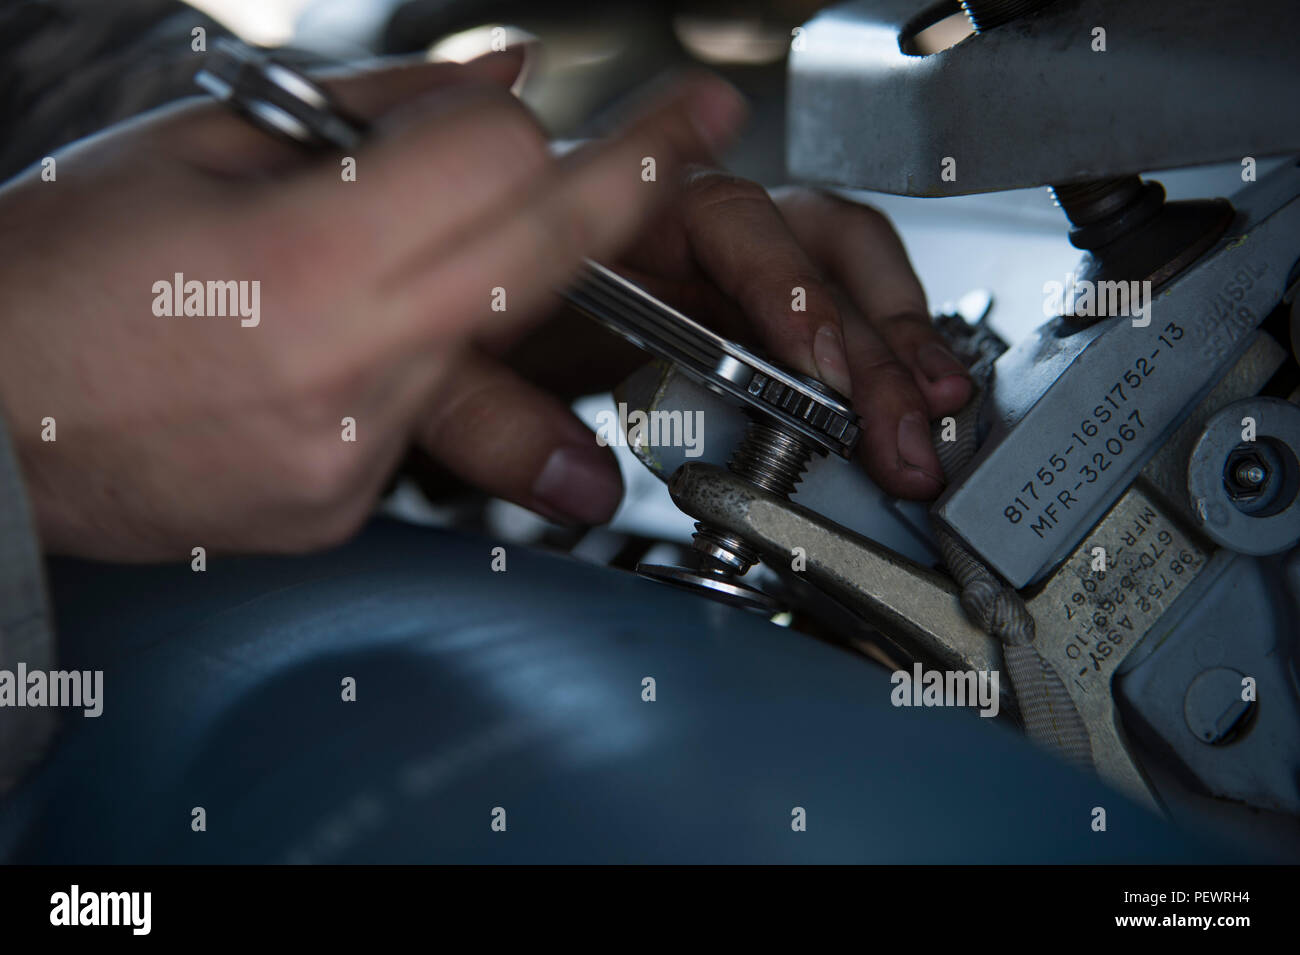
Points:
x=1245, y=474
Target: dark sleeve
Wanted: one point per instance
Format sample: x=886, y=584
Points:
x=25, y=632
x=69, y=68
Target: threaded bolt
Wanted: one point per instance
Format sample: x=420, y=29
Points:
x=770, y=457
x=984, y=15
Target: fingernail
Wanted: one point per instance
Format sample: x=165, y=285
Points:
x=937, y=362
x=832, y=364
x=914, y=447
x=579, y=483
x=716, y=111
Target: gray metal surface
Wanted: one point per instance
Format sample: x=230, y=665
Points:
x=1181, y=82
x=1088, y=621
x=1238, y=616
x=1166, y=472
x=1074, y=417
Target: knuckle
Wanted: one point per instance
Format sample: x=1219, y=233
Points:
x=798, y=194
x=467, y=414
x=321, y=471
x=819, y=304
x=336, y=525
x=710, y=187
x=888, y=376
x=315, y=530
x=808, y=200
x=907, y=329
x=298, y=242
x=831, y=207
x=518, y=132
x=562, y=234
x=316, y=378
x=864, y=216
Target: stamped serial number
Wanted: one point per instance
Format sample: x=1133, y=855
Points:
x=1062, y=480
x=1097, y=615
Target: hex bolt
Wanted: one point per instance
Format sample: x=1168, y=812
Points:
x=1245, y=474
x=771, y=457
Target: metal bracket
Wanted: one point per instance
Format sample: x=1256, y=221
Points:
x=865, y=114
x=912, y=606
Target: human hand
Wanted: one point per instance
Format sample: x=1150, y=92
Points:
x=728, y=253
x=373, y=306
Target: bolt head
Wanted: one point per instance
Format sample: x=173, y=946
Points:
x=1245, y=474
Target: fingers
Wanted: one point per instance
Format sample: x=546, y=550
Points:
x=211, y=137
x=745, y=247
x=903, y=374
x=896, y=446
x=862, y=251
x=432, y=169
x=496, y=431
x=591, y=203
x=743, y=244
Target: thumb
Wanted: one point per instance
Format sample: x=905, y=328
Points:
x=500, y=433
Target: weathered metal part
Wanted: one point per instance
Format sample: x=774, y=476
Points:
x=772, y=457
x=1075, y=416
x=1268, y=521
x=1157, y=250
x=1088, y=620
x=1166, y=472
x=836, y=489
x=863, y=113
x=769, y=457
x=912, y=606
x=1213, y=706
x=1238, y=616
